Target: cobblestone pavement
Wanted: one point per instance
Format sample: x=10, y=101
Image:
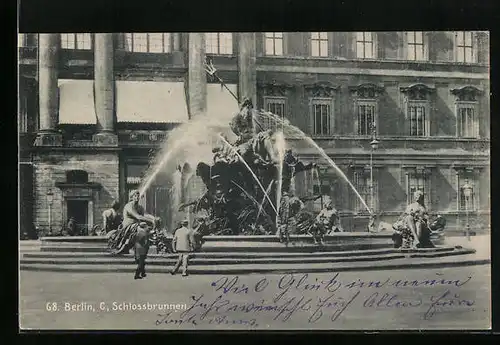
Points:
x=448, y=298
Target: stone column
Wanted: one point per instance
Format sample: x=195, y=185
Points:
x=197, y=78
x=176, y=41
x=104, y=90
x=247, y=83
x=48, y=90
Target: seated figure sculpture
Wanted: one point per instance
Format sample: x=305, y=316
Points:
x=134, y=217
x=411, y=229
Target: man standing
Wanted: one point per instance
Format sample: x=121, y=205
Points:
x=183, y=243
x=141, y=246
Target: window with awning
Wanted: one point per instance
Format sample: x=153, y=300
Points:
x=151, y=102
x=76, y=102
x=220, y=103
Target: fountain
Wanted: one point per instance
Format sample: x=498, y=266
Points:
x=245, y=178
x=247, y=203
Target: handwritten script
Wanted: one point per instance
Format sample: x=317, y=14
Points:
x=304, y=298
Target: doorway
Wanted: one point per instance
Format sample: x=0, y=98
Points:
x=78, y=209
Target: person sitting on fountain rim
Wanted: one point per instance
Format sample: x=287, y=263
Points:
x=111, y=218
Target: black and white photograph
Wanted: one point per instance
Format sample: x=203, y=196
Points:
x=254, y=180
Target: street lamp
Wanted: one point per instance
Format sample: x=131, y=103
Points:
x=467, y=188
x=50, y=199
x=374, y=146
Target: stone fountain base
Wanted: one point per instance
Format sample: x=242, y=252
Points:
x=250, y=254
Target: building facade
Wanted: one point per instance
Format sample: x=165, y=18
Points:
x=94, y=109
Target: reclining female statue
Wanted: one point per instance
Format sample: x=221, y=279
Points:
x=133, y=218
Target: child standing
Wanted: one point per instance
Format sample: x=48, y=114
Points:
x=183, y=243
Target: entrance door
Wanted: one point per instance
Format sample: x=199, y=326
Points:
x=78, y=209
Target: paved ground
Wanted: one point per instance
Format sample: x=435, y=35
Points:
x=449, y=298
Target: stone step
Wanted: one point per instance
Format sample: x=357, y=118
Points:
x=171, y=259
x=401, y=263
x=235, y=255
x=234, y=247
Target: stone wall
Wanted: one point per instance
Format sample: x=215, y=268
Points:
x=51, y=167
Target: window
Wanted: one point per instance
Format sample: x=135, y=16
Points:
x=417, y=181
x=147, y=42
x=219, y=43
x=275, y=105
x=274, y=43
x=466, y=120
x=467, y=177
x=365, y=45
x=465, y=47
x=21, y=40
x=418, y=119
x=322, y=116
x=361, y=182
x=76, y=41
x=319, y=44
x=416, y=46
x=366, y=117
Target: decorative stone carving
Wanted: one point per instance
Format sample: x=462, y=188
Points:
x=274, y=89
x=322, y=89
x=417, y=92
x=467, y=93
x=366, y=91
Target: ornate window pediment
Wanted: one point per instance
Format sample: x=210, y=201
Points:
x=275, y=89
x=467, y=93
x=367, y=91
x=417, y=91
x=322, y=89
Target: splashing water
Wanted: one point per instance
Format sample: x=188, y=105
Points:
x=261, y=205
x=280, y=146
x=250, y=170
x=180, y=140
x=301, y=135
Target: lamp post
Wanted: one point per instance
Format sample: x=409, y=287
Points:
x=50, y=199
x=467, y=188
x=374, y=146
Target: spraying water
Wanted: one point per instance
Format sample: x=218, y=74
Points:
x=250, y=170
x=281, y=146
x=301, y=135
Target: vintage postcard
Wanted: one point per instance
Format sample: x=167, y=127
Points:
x=254, y=181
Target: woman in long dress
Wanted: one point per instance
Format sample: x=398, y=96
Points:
x=134, y=217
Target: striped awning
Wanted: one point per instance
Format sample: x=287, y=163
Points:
x=76, y=102
x=151, y=102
